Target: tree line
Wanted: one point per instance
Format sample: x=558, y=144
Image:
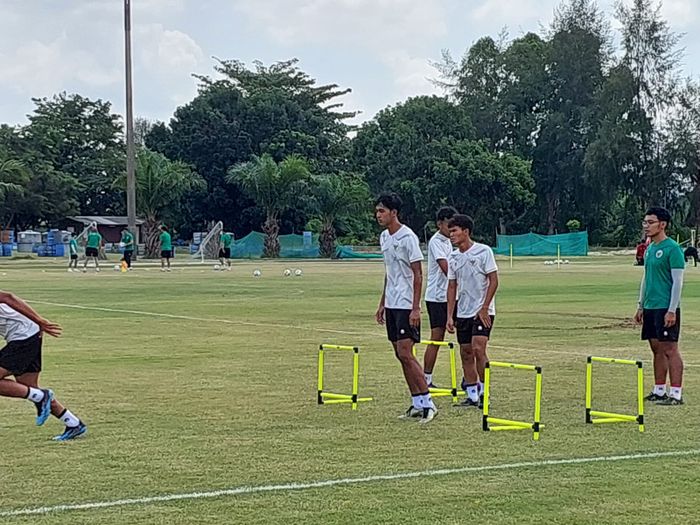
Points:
x=545, y=132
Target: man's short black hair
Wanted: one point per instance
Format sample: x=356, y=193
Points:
x=390, y=201
x=445, y=213
x=462, y=221
x=164, y=227
x=661, y=213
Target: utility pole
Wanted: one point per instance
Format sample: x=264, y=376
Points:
x=130, y=150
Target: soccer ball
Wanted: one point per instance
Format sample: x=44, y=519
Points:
x=117, y=267
x=121, y=245
x=257, y=273
x=287, y=272
x=298, y=272
x=566, y=261
x=217, y=267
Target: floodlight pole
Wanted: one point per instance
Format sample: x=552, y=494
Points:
x=130, y=150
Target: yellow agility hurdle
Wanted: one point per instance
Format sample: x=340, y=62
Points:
x=329, y=398
x=598, y=417
x=495, y=424
x=443, y=392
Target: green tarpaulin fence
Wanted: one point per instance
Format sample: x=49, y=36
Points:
x=570, y=244
x=291, y=246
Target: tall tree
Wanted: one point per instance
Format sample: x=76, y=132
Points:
x=81, y=138
x=274, y=187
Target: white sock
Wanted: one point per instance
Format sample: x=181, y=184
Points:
x=417, y=401
x=428, y=401
x=660, y=390
x=473, y=392
x=480, y=386
x=428, y=378
x=676, y=392
x=68, y=419
x=35, y=395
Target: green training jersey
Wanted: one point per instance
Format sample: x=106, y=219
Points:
x=128, y=241
x=73, y=247
x=166, y=243
x=659, y=260
x=225, y=239
x=94, y=240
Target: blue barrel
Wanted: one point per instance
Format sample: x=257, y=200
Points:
x=59, y=250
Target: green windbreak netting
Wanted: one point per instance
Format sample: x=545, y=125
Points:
x=533, y=244
x=346, y=252
x=251, y=246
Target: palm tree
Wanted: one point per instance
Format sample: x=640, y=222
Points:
x=14, y=177
x=275, y=187
x=160, y=185
x=336, y=198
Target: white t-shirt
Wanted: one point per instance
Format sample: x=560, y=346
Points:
x=470, y=269
x=14, y=326
x=439, y=248
x=399, y=251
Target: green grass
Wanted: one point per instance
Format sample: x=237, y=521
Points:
x=181, y=405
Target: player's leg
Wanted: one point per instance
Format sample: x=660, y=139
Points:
x=668, y=346
x=74, y=426
x=437, y=313
x=651, y=331
x=479, y=344
x=471, y=375
x=167, y=258
x=42, y=399
x=127, y=259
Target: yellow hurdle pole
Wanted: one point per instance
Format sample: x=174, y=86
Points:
x=589, y=378
x=640, y=395
x=487, y=390
x=355, y=376
x=453, y=373
x=511, y=255
x=613, y=360
x=613, y=415
x=538, y=399
x=320, y=375
x=513, y=365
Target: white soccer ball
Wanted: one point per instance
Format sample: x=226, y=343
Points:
x=122, y=245
x=298, y=272
x=257, y=273
x=287, y=272
x=117, y=267
x=217, y=267
x=566, y=261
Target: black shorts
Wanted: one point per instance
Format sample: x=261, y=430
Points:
x=473, y=326
x=437, y=313
x=91, y=252
x=166, y=254
x=22, y=357
x=225, y=253
x=398, y=327
x=653, y=326
x=74, y=257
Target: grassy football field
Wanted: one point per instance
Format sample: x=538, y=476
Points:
x=197, y=381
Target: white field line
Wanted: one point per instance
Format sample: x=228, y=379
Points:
x=257, y=489
x=287, y=327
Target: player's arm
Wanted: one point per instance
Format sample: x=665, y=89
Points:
x=639, y=314
x=27, y=311
x=451, y=303
x=490, y=294
x=417, y=268
x=380, y=309
x=676, y=289
x=442, y=263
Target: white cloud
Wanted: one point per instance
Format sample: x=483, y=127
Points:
x=680, y=14
x=167, y=51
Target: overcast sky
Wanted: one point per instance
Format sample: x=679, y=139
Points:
x=380, y=48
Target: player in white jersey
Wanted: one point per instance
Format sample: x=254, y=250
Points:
x=439, y=250
x=399, y=307
x=473, y=281
x=22, y=328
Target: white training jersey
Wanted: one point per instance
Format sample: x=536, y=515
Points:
x=470, y=269
x=439, y=248
x=14, y=326
x=399, y=251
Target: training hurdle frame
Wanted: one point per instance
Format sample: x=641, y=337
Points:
x=444, y=392
x=500, y=424
x=330, y=398
x=595, y=417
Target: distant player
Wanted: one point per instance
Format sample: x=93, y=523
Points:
x=399, y=306
x=166, y=249
x=92, y=248
x=473, y=281
x=659, y=306
x=225, y=240
x=439, y=250
x=691, y=252
x=22, y=328
x=73, y=252
x=128, y=242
